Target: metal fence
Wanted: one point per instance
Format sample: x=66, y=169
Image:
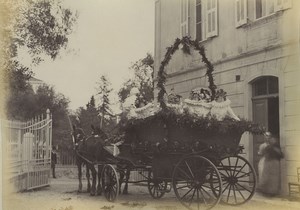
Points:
x=27, y=151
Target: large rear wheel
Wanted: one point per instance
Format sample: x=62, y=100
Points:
x=238, y=178
x=110, y=183
x=197, y=183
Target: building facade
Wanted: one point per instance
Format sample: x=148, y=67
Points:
x=35, y=83
x=254, y=47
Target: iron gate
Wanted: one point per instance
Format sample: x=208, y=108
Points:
x=27, y=152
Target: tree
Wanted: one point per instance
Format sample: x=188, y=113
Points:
x=47, y=98
x=42, y=28
x=143, y=80
x=88, y=116
x=103, y=88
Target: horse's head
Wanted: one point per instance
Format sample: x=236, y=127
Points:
x=97, y=131
x=77, y=135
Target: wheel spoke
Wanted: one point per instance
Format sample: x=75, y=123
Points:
x=189, y=169
x=222, y=168
x=229, y=166
x=241, y=168
x=235, y=166
x=228, y=193
x=225, y=188
x=198, y=199
x=240, y=193
x=209, y=195
x=245, y=175
x=203, y=196
x=187, y=176
x=233, y=189
x=191, y=200
x=181, y=187
x=244, y=187
x=186, y=194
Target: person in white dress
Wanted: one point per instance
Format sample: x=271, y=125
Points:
x=269, y=166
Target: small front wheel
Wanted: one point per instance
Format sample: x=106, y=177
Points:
x=197, y=183
x=157, y=188
x=239, y=180
x=110, y=183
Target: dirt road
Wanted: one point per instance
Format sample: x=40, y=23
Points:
x=62, y=195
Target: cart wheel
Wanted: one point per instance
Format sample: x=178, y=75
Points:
x=197, y=183
x=110, y=182
x=239, y=180
x=157, y=188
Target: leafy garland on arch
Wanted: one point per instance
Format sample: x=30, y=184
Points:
x=169, y=120
x=187, y=43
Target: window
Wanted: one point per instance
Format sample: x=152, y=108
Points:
x=184, y=18
x=199, y=21
x=267, y=7
x=206, y=19
x=240, y=12
x=265, y=86
x=264, y=8
x=212, y=18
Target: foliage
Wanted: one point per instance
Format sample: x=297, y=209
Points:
x=167, y=131
x=186, y=43
x=46, y=97
x=209, y=125
x=143, y=80
x=28, y=105
x=104, y=90
x=88, y=116
x=43, y=27
x=85, y=117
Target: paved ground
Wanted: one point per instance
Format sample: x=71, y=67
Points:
x=62, y=195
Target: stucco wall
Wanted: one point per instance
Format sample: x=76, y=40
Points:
x=265, y=47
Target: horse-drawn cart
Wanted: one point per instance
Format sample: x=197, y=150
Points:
x=191, y=147
x=201, y=166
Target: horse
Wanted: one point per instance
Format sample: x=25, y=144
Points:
x=122, y=168
x=91, y=150
x=78, y=136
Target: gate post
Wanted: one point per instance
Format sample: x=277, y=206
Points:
x=48, y=138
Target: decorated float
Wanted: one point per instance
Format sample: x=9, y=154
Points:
x=173, y=123
x=188, y=145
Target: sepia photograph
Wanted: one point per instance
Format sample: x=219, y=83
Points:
x=149, y=104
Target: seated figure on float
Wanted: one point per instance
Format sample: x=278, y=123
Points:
x=220, y=107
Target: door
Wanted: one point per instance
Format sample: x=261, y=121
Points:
x=260, y=116
x=265, y=109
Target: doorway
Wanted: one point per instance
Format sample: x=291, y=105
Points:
x=265, y=109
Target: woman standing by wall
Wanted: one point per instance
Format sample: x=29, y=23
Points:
x=269, y=166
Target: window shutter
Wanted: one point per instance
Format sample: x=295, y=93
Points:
x=184, y=18
x=212, y=18
x=282, y=4
x=240, y=12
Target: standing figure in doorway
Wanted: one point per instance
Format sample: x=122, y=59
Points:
x=53, y=161
x=269, y=166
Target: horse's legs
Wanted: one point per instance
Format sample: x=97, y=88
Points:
x=125, y=190
x=88, y=179
x=79, y=163
x=99, y=187
x=94, y=173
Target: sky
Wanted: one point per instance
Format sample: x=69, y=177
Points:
x=109, y=36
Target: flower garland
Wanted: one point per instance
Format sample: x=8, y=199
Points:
x=187, y=44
